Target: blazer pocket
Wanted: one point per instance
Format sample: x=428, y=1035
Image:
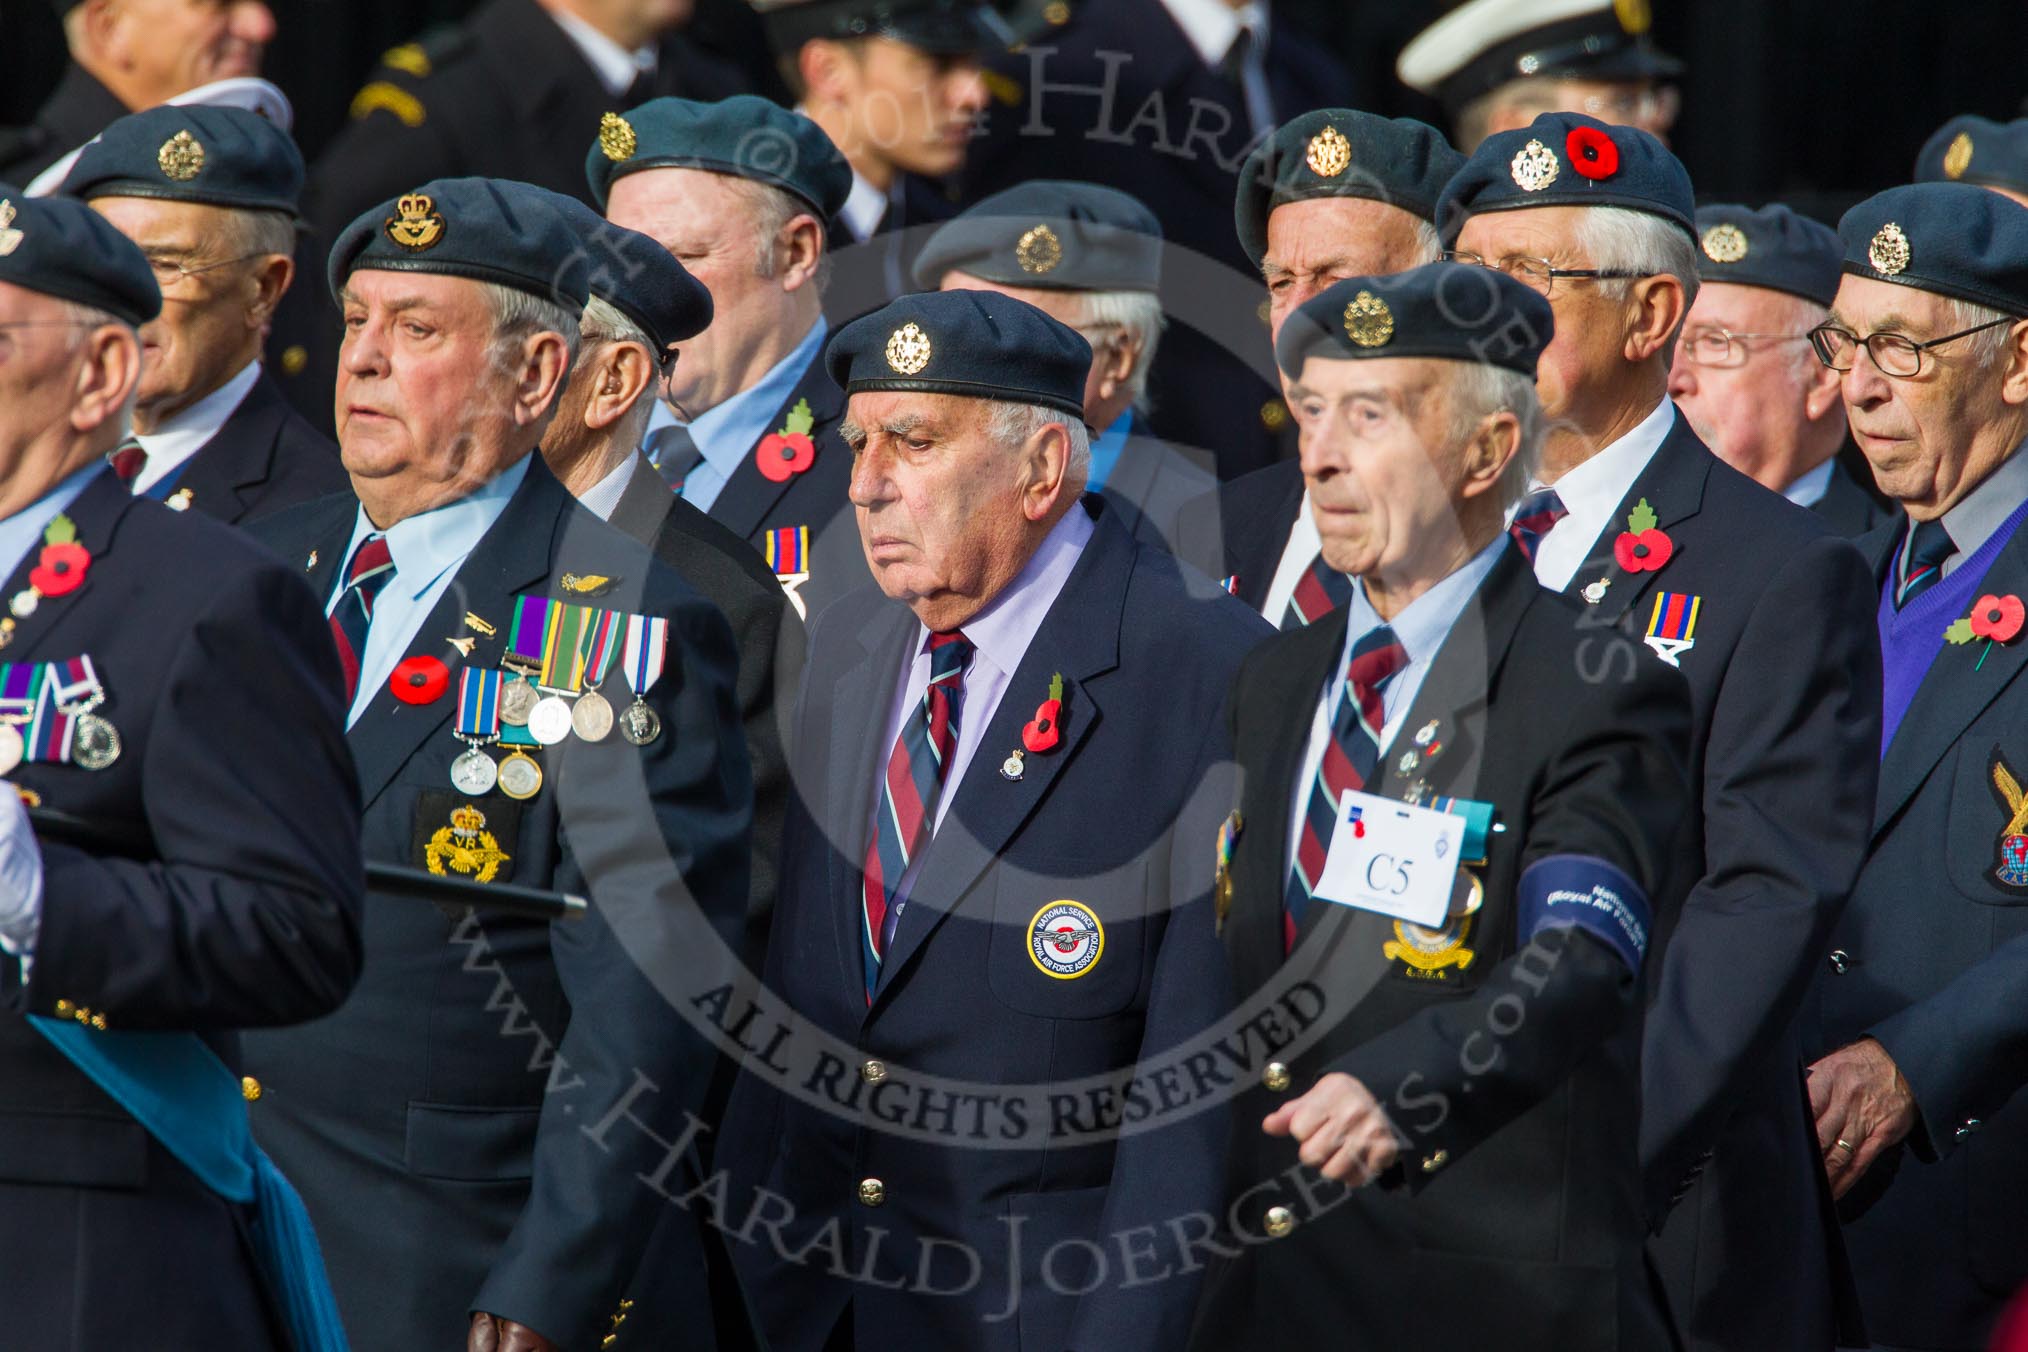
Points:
x=1053, y=1277
x=83, y=1150
x=1067, y=942
x=463, y=1144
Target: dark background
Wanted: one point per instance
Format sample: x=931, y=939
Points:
x=1817, y=102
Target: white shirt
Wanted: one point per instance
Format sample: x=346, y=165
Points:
x=1212, y=25
x=185, y=433
x=1808, y=490
x=1420, y=628
x=603, y=497
x=616, y=67
x=864, y=206
x=1592, y=492
x=1304, y=544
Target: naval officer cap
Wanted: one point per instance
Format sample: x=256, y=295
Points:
x=1339, y=152
x=58, y=246
x=1450, y=311
x=1483, y=44
x=1569, y=160
x=1052, y=234
x=979, y=344
x=1773, y=247
x=483, y=229
x=1950, y=238
x=635, y=275
x=940, y=27
x=745, y=136
x=1977, y=150
x=221, y=157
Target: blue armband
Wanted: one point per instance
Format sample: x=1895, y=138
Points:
x=1580, y=890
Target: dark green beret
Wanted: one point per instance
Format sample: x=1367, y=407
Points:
x=1773, y=247
x=1569, y=160
x=1053, y=234
x=1950, y=238
x=746, y=136
x=638, y=277
x=484, y=229
x=223, y=157
x=1454, y=311
x=60, y=247
x=979, y=344
x=943, y=27
x=1976, y=150
x=1339, y=152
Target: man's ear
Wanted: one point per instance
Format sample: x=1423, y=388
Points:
x=623, y=377
x=1048, y=471
x=2014, y=387
x=106, y=378
x=1491, y=449
x=1655, y=309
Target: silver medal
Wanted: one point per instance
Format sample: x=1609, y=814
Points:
x=517, y=700
x=549, y=720
x=640, y=724
x=591, y=717
x=12, y=748
x=474, y=772
x=94, y=743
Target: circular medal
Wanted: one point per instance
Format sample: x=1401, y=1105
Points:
x=520, y=776
x=474, y=772
x=517, y=700
x=640, y=724
x=94, y=744
x=11, y=748
x=549, y=720
x=591, y=716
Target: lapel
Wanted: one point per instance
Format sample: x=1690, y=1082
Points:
x=644, y=503
x=239, y=457
x=1954, y=691
x=556, y=90
x=1165, y=64
x=1254, y=540
x=1079, y=637
x=749, y=496
x=1673, y=484
x=1878, y=545
x=97, y=513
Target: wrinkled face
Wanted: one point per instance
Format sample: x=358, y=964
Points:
x=1314, y=243
x=1751, y=414
x=169, y=46
x=914, y=108
x=209, y=326
x=39, y=366
x=1062, y=306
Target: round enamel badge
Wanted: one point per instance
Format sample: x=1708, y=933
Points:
x=1065, y=939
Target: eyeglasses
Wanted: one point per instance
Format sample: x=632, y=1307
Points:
x=170, y=275
x=1725, y=349
x=1895, y=354
x=1538, y=273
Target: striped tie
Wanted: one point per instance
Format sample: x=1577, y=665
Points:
x=1348, y=763
x=129, y=460
x=914, y=780
x=372, y=568
x=1322, y=590
x=1539, y=511
x=1929, y=545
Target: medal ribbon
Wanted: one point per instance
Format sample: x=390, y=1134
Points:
x=20, y=690
x=606, y=635
x=647, y=648
x=479, y=702
x=49, y=735
x=74, y=683
x=563, y=648
x=531, y=625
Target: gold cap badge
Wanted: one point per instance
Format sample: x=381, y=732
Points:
x=1534, y=168
x=1958, y=156
x=1330, y=154
x=416, y=225
x=10, y=238
x=1889, y=252
x=181, y=157
x=1368, y=321
x=616, y=137
x=1635, y=16
x=1039, y=250
x=908, y=349
x=1725, y=243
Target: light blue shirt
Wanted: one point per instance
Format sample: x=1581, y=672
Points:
x=1420, y=628
x=728, y=432
x=22, y=531
x=1105, y=452
x=427, y=550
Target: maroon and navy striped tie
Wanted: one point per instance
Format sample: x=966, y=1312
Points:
x=1322, y=590
x=1347, y=765
x=910, y=785
x=1540, y=510
x=371, y=569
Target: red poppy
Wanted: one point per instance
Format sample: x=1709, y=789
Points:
x=1592, y=152
x=1997, y=618
x=419, y=680
x=1041, y=733
x=61, y=569
x=1642, y=553
x=783, y=455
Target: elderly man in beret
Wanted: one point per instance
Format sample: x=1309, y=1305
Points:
x=1969, y=149
x=1744, y=375
x=535, y=699
x=1764, y=610
x=998, y=816
x=1334, y=193
x=1917, y=1019
x=1090, y=257
x=173, y=688
x=210, y=195
x=739, y=191
x=1481, y=1034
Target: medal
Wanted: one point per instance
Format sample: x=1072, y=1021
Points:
x=520, y=776
x=517, y=699
x=563, y=653
x=592, y=717
x=647, y=645
x=11, y=748
x=74, y=689
x=1011, y=767
x=20, y=691
x=640, y=724
x=478, y=725
x=474, y=773
x=95, y=744
x=549, y=721
x=523, y=660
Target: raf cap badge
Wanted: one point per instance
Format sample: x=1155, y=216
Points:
x=1888, y=253
x=416, y=225
x=908, y=349
x=1534, y=168
x=181, y=157
x=1329, y=153
x=1368, y=321
x=1725, y=243
x=1039, y=250
x=1958, y=156
x=616, y=137
x=10, y=238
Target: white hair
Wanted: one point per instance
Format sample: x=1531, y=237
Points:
x=518, y=314
x=1617, y=239
x=260, y=233
x=1012, y=425
x=769, y=211
x=1137, y=313
x=1429, y=245
x=1479, y=391
x=1986, y=346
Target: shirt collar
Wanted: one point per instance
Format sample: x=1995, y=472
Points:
x=1809, y=488
x=1423, y=623
x=425, y=545
x=1972, y=522
x=1003, y=630
x=727, y=431
x=22, y=531
x=187, y=431
x=1210, y=26
x=616, y=67
x=1595, y=487
x=603, y=497
x=864, y=206
x=1105, y=452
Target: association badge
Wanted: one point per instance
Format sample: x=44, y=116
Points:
x=1065, y=939
x=2012, y=871
x=466, y=847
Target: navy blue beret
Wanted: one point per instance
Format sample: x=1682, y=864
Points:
x=1569, y=160
x=1976, y=150
x=60, y=247
x=1950, y=238
x=484, y=229
x=745, y=135
x=223, y=157
x=637, y=276
x=1773, y=247
x=944, y=27
x=1053, y=234
x=1454, y=311
x=1338, y=152
x=980, y=344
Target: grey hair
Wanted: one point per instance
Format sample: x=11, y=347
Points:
x=1138, y=313
x=1479, y=391
x=769, y=210
x=602, y=324
x=518, y=314
x=1429, y=245
x=260, y=233
x=1012, y=425
x=1616, y=239
x=1985, y=346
